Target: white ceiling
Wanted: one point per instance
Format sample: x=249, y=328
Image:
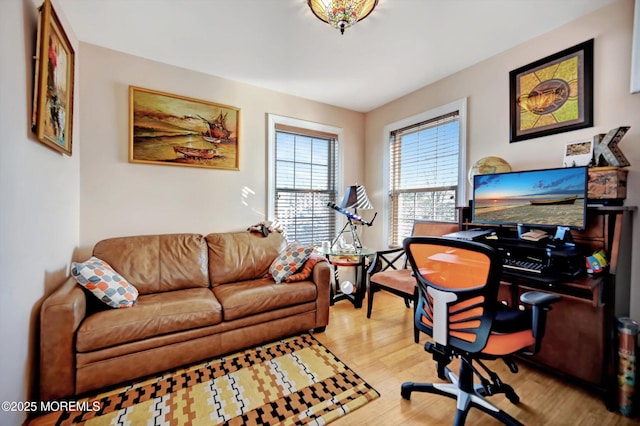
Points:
x=279, y=44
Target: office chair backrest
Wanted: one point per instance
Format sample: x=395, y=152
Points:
x=458, y=285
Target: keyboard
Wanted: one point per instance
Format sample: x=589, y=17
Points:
x=523, y=265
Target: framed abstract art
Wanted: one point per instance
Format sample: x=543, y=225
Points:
x=52, y=119
x=552, y=95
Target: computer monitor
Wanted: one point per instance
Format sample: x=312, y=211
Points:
x=533, y=198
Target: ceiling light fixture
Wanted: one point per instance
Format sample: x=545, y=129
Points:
x=341, y=14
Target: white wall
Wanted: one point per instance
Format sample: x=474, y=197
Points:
x=121, y=198
x=39, y=207
x=487, y=87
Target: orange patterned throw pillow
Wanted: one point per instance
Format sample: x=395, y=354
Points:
x=307, y=268
x=105, y=283
x=289, y=261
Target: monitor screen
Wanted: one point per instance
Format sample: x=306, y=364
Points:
x=545, y=198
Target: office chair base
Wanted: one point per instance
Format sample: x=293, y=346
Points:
x=464, y=401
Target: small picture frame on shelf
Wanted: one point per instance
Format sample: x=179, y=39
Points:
x=578, y=154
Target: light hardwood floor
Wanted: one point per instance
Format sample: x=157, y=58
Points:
x=381, y=350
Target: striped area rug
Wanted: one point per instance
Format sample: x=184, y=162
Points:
x=292, y=381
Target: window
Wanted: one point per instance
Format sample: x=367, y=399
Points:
x=426, y=158
x=303, y=178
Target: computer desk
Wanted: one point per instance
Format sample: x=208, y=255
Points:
x=580, y=342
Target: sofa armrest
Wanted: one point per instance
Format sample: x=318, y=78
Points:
x=60, y=315
x=321, y=276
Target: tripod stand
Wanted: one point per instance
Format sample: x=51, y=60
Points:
x=352, y=220
x=354, y=234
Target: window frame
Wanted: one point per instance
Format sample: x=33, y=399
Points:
x=272, y=121
x=459, y=105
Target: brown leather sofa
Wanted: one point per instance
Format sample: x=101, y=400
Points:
x=199, y=297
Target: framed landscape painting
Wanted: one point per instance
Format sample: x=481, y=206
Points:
x=52, y=119
x=177, y=130
x=553, y=94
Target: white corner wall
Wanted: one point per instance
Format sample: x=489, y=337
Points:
x=486, y=85
x=39, y=208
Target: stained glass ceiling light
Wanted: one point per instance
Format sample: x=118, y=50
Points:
x=341, y=14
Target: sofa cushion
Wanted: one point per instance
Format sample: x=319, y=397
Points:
x=103, y=282
x=400, y=279
x=156, y=263
x=240, y=256
x=256, y=296
x=154, y=315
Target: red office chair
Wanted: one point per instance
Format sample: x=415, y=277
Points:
x=458, y=285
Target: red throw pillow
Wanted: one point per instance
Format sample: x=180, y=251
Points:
x=305, y=272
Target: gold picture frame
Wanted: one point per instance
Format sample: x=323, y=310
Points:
x=553, y=94
x=52, y=119
x=176, y=130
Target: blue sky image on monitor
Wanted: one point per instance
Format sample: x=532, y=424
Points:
x=552, y=197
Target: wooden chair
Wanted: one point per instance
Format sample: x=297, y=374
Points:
x=389, y=272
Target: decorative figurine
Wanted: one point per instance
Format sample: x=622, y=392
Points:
x=606, y=151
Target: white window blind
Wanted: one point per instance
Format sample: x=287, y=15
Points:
x=423, y=174
x=305, y=181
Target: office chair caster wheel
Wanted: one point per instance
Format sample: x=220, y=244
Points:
x=405, y=392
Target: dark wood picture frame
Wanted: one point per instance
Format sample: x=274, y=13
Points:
x=52, y=119
x=552, y=95
x=176, y=130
